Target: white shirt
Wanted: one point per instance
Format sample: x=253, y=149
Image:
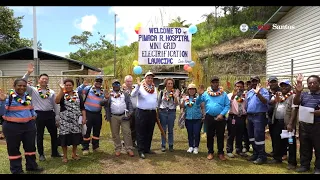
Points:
x=146, y=101
x=118, y=105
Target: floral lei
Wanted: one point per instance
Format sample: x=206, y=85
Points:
x=211, y=93
x=283, y=98
x=95, y=91
x=43, y=96
x=190, y=104
x=169, y=95
x=149, y=90
x=69, y=98
x=116, y=95
x=241, y=98
x=19, y=100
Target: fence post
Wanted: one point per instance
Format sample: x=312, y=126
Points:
x=292, y=71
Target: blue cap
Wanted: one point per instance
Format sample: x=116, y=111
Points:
x=272, y=78
x=99, y=77
x=287, y=82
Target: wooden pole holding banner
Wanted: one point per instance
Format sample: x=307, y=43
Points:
x=159, y=125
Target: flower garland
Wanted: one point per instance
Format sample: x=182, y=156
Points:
x=19, y=100
x=95, y=91
x=211, y=93
x=116, y=95
x=190, y=103
x=169, y=95
x=283, y=98
x=241, y=98
x=43, y=96
x=69, y=98
x=149, y=90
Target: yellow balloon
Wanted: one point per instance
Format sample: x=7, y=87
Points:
x=139, y=25
x=137, y=28
x=135, y=63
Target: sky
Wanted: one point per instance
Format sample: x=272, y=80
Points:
x=57, y=24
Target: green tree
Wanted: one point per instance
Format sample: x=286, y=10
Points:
x=178, y=22
x=10, y=31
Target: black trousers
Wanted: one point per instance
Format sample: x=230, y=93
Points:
x=245, y=137
x=271, y=132
x=94, y=123
x=279, y=145
x=133, y=127
x=47, y=119
x=292, y=157
x=145, y=122
x=215, y=127
x=15, y=134
x=309, y=137
x=235, y=131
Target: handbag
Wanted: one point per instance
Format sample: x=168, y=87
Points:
x=182, y=119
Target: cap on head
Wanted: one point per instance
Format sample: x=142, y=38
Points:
x=215, y=78
x=99, y=78
x=255, y=78
x=115, y=81
x=239, y=81
x=287, y=82
x=192, y=86
x=149, y=74
x=272, y=78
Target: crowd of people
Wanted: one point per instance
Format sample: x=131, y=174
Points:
x=73, y=117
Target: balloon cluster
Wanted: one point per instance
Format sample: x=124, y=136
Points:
x=188, y=67
x=137, y=28
x=137, y=69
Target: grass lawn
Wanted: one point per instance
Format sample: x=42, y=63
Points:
x=177, y=162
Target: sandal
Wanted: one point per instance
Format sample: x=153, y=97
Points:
x=64, y=160
x=76, y=157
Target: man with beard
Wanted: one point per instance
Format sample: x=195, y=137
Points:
x=257, y=107
x=92, y=97
x=274, y=88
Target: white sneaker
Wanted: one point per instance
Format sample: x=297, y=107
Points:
x=244, y=150
x=195, y=150
x=190, y=150
x=85, y=152
x=230, y=155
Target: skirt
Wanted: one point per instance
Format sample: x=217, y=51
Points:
x=70, y=139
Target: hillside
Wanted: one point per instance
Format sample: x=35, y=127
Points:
x=237, y=56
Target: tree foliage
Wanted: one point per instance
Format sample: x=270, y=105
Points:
x=10, y=32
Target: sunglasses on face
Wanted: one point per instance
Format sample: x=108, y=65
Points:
x=115, y=84
x=99, y=81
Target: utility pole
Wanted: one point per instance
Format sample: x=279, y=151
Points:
x=35, y=47
x=115, y=45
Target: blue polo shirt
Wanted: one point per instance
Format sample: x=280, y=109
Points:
x=254, y=105
x=311, y=100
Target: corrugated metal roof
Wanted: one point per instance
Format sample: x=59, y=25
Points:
x=282, y=11
x=27, y=51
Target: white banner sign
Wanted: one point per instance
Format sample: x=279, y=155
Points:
x=164, y=46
